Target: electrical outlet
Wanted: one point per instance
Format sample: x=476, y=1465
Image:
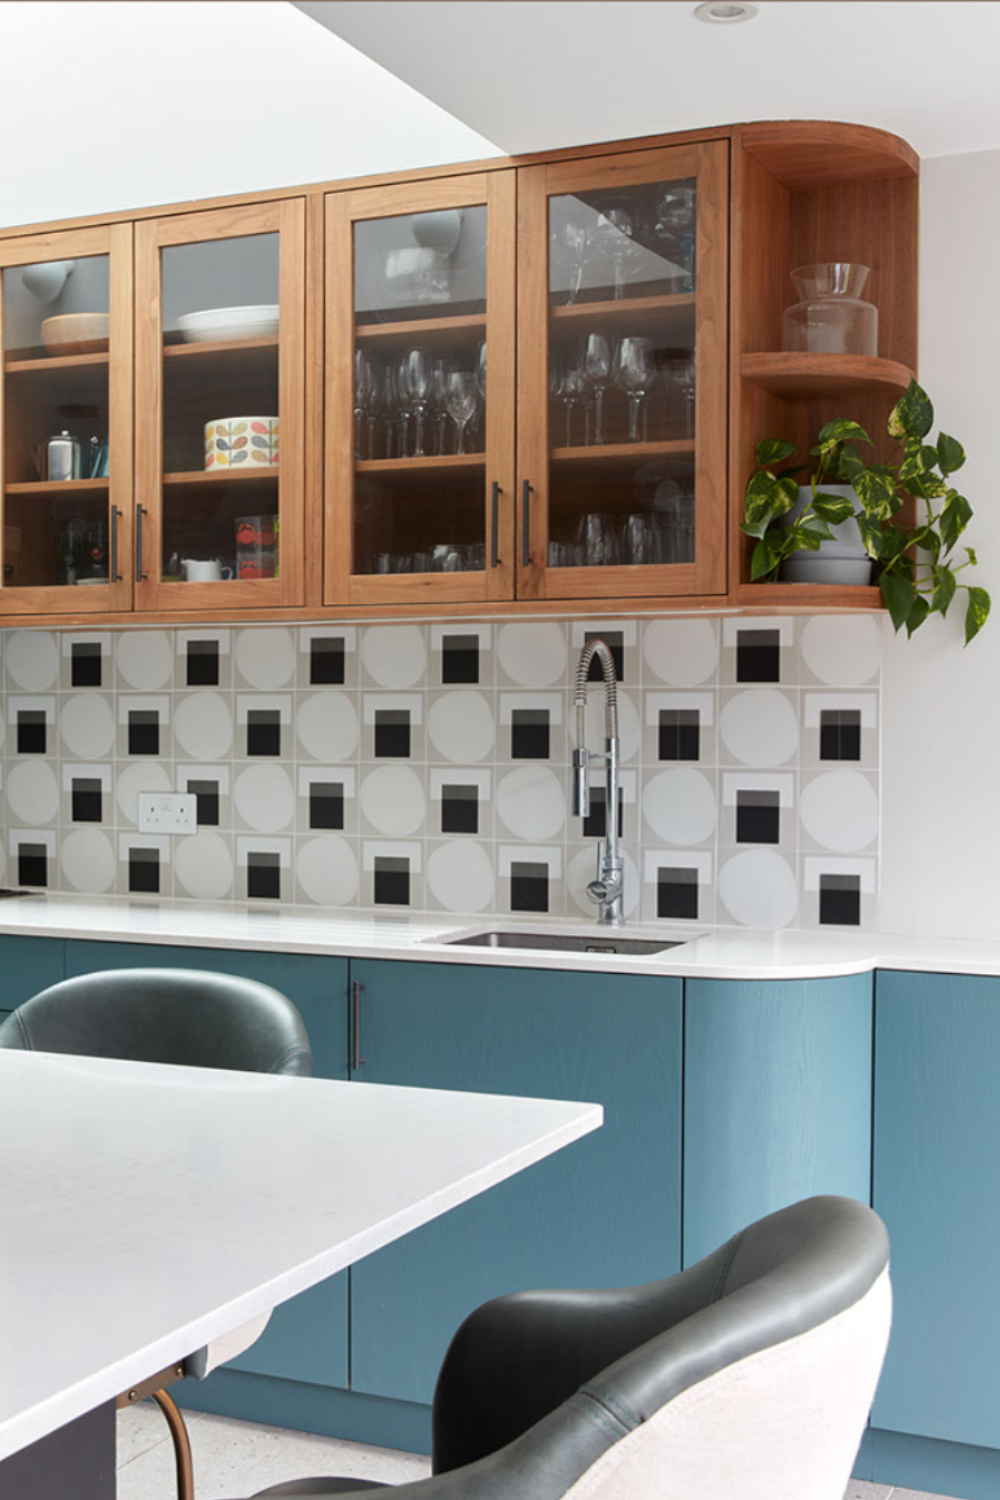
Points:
x=168, y=812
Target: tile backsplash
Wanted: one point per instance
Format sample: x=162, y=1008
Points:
x=424, y=766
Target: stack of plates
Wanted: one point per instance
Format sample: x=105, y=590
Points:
x=215, y=324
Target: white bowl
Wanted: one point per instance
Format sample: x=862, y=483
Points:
x=214, y=324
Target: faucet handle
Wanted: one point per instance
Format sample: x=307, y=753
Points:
x=581, y=786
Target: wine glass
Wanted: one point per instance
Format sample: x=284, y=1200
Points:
x=614, y=241
x=364, y=380
x=572, y=388
x=439, y=417
x=481, y=369
x=633, y=375
x=570, y=246
x=674, y=228
x=403, y=406
x=595, y=366
x=460, y=396
x=388, y=404
x=417, y=371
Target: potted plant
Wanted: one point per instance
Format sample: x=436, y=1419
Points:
x=870, y=498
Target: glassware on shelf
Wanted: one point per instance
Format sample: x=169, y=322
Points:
x=641, y=540
x=416, y=379
x=831, y=317
x=595, y=366
x=461, y=392
x=633, y=374
x=365, y=381
x=666, y=495
x=677, y=368
x=572, y=388
x=675, y=229
x=597, y=537
x=615, y=243
x=570, y=247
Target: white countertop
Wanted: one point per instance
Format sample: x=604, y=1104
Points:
x=147, y=1210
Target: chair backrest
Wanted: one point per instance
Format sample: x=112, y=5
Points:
x=183, y=1016
x=756, y=1381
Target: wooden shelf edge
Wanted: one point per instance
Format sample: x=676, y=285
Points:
x=426, y=465
x=220, y=476
x=55, y=362
x=810, y=597
x=221, y=346
x=818, y=153
x=602, y=452
x=365, y=333
x=58, y=487
x=669, y=302
x=802, y=377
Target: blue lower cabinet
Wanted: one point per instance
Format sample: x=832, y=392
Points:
x=306, y=1339
x=28, y=964
x=777, y=1099
x=604, y=1211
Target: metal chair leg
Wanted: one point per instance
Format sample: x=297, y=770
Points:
x=182, y=1444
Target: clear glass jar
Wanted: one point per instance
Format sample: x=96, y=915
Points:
x=832, y=317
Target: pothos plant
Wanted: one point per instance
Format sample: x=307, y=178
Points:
x=912, y=587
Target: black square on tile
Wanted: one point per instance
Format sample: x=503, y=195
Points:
x=143, y=731
x=596, y=825
x=31, y=731
x=144, y=870
x=32, y=864
x=326, y=660
x=202, y=663
x=263, y=731
x=529, y=734
x=615, y=641
x=758, y=656
x=840, y=734
x=326, y=804
x=680, y=734
x=206, y=795
x=86, y=799
x=840, y=900
x=460, y=658
x=529, y=887
x=264, y=875
x=677, y=893
x=392, y=881
x=392, y=732
x=85, y=663
x=758, y=817
x=459, y=809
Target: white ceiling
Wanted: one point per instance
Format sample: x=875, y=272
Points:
x=533, y=74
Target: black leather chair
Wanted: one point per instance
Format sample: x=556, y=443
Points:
x=746, y=1377
x=183, y=1016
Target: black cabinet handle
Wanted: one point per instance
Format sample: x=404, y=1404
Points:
x=526, y=524
x=495, y=524
x=116, y=577
x=357, y=1059
x=140, y=511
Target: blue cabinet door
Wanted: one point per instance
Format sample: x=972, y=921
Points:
x=777, y=1099
x=27, y=965
x=937, y=1186
x=306, y=1338
x=603, y=1212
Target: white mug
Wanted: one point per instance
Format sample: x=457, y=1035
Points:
x=208, y=570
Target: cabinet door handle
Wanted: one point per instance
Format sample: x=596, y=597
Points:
x=495, y=494
x=526, y=524
x=116, y=577
x=140, y=511
x=356, y=1059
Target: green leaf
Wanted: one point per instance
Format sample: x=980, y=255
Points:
x=763, y=497
x=919, y=610
x=774, y=450
x=872, y=535
x=840, y=430
x=970, y=553
x=876, y=489
x=950, y=453
x=814, y=526
x=954, y=518
x=756, y=528
x=833, y=508
x=913, y=414
x=977, y=613
x=765, y=560
x=929, y=541
x=944, y=589
x=850, y=463
x=898, y=594
x=919, y=460
x=789, y=491
x=927, y=487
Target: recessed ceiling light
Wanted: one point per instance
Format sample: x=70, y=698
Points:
x=725, y=12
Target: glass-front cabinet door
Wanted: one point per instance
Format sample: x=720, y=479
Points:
x=220, y=408
x=66, y=421
x=420, y=392
x=622, y=347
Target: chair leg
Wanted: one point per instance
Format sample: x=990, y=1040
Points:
x=182, y=1444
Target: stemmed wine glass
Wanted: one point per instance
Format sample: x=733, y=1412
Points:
x=569, y=246
x=595, y=366
x=417, y=375
x=572, y=388
x=633, y=375
x=675, y=226
x=614, y=240
x=460, y=396
x=439, y=419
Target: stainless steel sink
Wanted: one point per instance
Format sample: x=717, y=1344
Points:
x=562, y=942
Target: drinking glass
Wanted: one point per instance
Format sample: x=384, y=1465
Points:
x=640, y=540
x=364, y=376
x=675, y=229
x=633, y=375
x=481, y=369
x=597, y=537
x=403, y=409
x=388, y=403
x=439, y=409
x=570, y=246
x=595, y=364
x=614, y=241
x=572, y=388
x=417, y=373
x=460, y=401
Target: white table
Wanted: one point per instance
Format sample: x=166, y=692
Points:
x=145, y=1210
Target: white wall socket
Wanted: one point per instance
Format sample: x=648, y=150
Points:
x=168, y=812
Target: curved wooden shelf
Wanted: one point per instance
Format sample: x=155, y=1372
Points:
x=819, y=153
x=803, y=377
x=809, y=598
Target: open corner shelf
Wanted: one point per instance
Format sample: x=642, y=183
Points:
x=807, y=377
x=822, y=153
x=809, y=598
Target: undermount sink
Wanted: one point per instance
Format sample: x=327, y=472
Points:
x=562, y=942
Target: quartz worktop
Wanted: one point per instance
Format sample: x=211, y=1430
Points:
x=702, y=952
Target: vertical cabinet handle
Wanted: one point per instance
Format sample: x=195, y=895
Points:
x=526, y=524
x=140, y=511
x=116, y=577
x=356, y=1059
x=495, y=494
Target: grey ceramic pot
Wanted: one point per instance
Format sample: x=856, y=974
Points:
x=841, y=560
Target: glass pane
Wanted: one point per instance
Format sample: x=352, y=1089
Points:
x=56, y=339
x=221, y=419
x=420, y=393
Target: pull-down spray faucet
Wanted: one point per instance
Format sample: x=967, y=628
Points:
x=606, y=890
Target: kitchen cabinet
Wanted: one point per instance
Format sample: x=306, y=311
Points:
x=28, y=966
x=604, y=1212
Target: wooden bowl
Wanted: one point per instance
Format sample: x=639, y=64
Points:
x=77, y=333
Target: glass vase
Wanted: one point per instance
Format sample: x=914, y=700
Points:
x=832, y=317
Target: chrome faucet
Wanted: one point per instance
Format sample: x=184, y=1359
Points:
x=606, y=890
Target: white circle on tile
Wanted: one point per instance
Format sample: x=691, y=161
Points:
x=758, y=889
x=203, y=726
x=327, y=726
x=328, y=870
x=266, y=658
x=87, y=726
x=629, y=730
x=460, y=876
x=393, y=801
x=87, y=858
x=680, y=806
x=760, y=727
x=840, y=811
x=531, y=802
x=144, y=658
x=681, y=652
x=264, y=798
x=580, y=872
x=203, y=866
x=33, y=792
x=394, y=655
x=461, y=727
x=841, y=650
x=533, y=655
x=33, y=659
x=143, y=776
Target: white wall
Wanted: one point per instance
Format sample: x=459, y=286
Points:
x=941, y=704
